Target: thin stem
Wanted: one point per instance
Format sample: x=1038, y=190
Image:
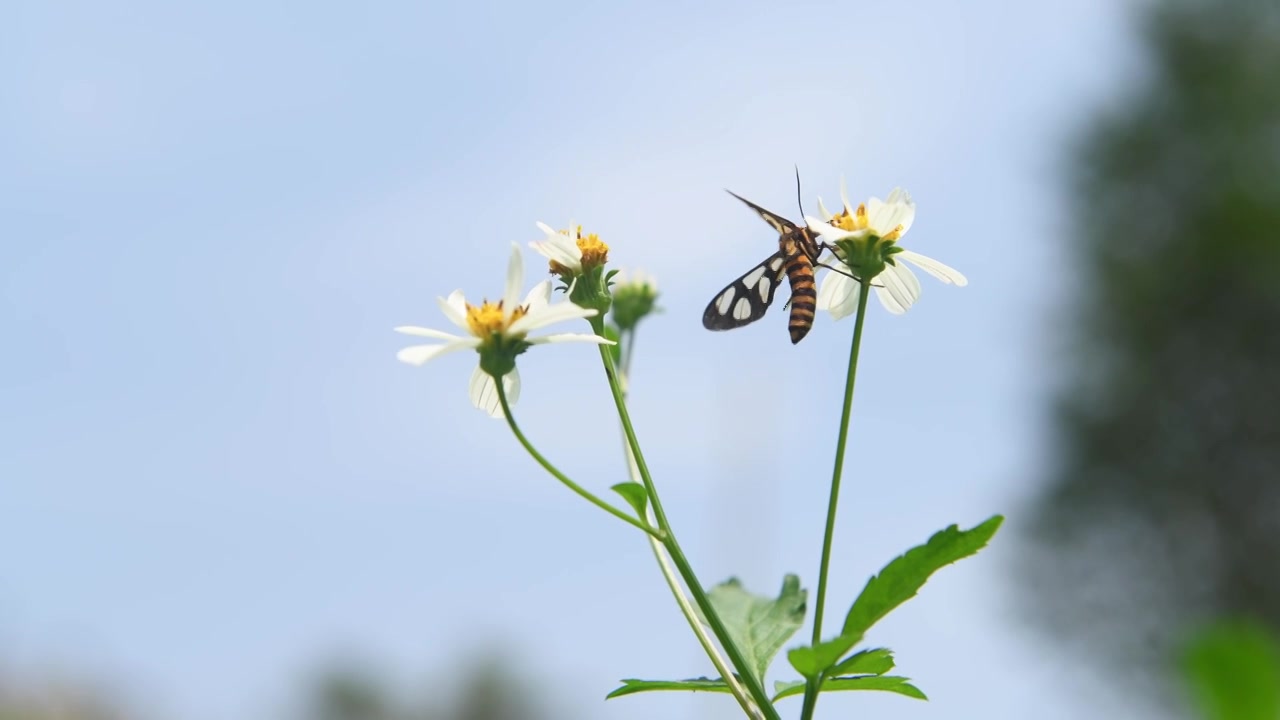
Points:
x=546, y=465
x=668, y=574
x=745, y=671
x=812, y=686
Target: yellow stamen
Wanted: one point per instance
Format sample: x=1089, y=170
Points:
x=594, y=252
x=490, y=318
x=851, y=221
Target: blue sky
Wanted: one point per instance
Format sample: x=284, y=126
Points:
x=214, y=475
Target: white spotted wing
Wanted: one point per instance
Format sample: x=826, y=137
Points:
x=746, y=299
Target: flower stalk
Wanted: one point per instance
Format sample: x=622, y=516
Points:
x=745, y=673
x=555, y=472
x=814, y=685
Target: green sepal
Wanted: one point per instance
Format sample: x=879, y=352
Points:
x=590, y=290
x=759, y=626
x=632, y=686
x=635, y=495
x=498, y=354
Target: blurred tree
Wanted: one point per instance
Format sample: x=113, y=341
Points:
x=485, y=691
x=1164, y=505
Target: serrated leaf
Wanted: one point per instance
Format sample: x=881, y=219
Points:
x=902, y=578
x=886, y=683
x=632, y=686
x=759, y=626
x=877, y=661
x=812, y=661
x=635, y=495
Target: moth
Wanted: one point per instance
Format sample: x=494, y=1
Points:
x=746, y=299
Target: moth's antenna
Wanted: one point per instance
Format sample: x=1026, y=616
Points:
x=799, y=201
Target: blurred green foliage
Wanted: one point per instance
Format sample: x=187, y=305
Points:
x=1164, y=503
x=1233, y=672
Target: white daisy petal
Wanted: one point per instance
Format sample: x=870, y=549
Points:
x=419, y=354
x=887, y=300
x=907, y=216
x=570, y=337
x=844, y=195
x=822, y=210
x=838, y=295
x=454, y=307
x=901, y=286
x=549, y=315
x=945, y=273
x=829, y=233
x=539, y=296
x=425, y=332
x=515, y=279
x=546, y=229
x=483, y=391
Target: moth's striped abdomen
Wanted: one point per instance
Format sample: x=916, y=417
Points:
x=804, y=296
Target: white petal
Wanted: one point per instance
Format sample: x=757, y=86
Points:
x=844, y=195
x=419, y=354
x=539, y=296
x=838, y=294
x=570, y=337
x=829, y=233
x=886, y=299
x=546, y=229
x=550, y=315
x=561, y=250
x=822, y=210
x=454, y=307
x=945, y=273
x=884, y=217
x=901, y=289
x=425, y=332
x=515, y=279
x=484, y=391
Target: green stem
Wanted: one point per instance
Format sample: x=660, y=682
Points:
x=745, y=672
x=546, y=464
x=813, y=685
x=669, y=573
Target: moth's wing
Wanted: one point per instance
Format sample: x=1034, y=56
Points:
x=777, y=222
x=746, y=299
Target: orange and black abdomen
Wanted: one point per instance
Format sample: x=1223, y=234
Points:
x=804, y=296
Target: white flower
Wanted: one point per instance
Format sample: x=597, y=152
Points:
x=498, y=327
x=887, y=220
x=569, y=251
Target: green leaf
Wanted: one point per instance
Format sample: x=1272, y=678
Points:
x=635, y=495
x=1234, y=671
x=899, y=581
x=781, y=686
x=866, y=662
x=813, y=661
x=759, y=626
x=633, y=686
x=887, y=683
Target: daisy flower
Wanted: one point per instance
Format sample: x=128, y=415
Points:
x=498, y=332
x=868, y=238
x=569, y=252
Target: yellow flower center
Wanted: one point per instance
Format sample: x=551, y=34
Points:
x=594, y=252
x=490, y=318
x=857, y=220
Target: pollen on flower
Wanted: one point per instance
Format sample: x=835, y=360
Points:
x=490, y=318
x=850, y=222
x=594, y=252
